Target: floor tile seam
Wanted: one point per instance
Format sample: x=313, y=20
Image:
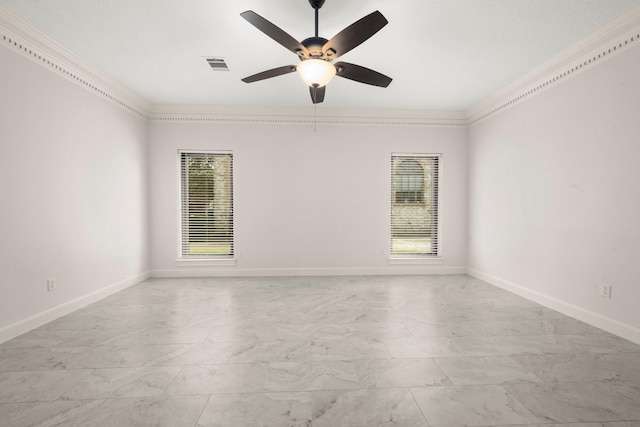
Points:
x=56, y=370
x=331, y=359
x=96, y=346
x=269, y=362
x=258, y=340
x=389, y=351
x=478, y=357
x=99, y=399
x=62, y=347
x=48, y=370
x=109, y=328
x=544, y=335
x=541, y=423
x=173, y=380
x=596, y=423
x=61, y=395
x=302, y=360
x=313, y=390
x=469, y=336
x=541, y=334
x=191, y=365
x=102, y=345
x=281, y=392
x=266, y=390
x=483, y=320
x=457, y=384
x=548, y=355
x=98, y=404
x=44, y=329
x=255, y=362
x=89, y=368
x=516, y=358
x=443, y=371
x=364, y=388
x=431, y=357
x=161, y=397
x=539, y=419
x=426, y=420
x=59, y=398
x=504, y=354
x=553, y=383
x=580, y=335
x=213, y=328
x=450, y=386
x=204, y=407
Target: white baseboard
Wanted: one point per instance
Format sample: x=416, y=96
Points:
x=599, y=321
x=274, y=272
x=37, y=320
x=610, y=325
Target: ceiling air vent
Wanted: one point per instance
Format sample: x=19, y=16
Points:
x=217, y=64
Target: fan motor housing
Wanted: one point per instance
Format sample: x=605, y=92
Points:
x=314, y=45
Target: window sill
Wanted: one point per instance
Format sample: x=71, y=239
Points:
x=416, y=260
x=205, y=262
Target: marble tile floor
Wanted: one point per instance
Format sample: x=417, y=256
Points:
x=433, y=351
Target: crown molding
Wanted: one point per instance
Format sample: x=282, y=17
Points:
x=27, y=40
x=305, y=116
x=617, y=36
x=30, y=42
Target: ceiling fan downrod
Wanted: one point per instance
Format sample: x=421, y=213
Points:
x=316, y=5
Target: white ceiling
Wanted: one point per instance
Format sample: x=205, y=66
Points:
x=442, y=54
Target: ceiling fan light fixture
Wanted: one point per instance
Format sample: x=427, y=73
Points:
x=316, y=53
x=316, y=72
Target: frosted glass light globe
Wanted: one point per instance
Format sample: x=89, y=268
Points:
x=316, y=72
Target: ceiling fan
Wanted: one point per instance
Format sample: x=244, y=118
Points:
x=317, y=53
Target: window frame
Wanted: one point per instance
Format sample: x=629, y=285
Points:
x=205, y=259
x=432, y=257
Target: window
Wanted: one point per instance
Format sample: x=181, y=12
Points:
x=414, y=205
x=206, y=205
x=409, y=182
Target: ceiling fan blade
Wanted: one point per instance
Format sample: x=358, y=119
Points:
x=317, y=94
x=354, y=34
x=275, y=32
x=361, y=74
x=274, y=72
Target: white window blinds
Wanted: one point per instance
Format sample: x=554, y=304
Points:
x=206, y=205
x=414, y=205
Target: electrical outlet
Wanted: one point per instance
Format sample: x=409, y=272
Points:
x=51, y=285
x=605, y=291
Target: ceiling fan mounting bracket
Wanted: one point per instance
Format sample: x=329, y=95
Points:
x=316, y=4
